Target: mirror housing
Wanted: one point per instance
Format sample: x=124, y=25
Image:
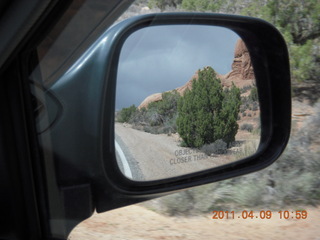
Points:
x=184, y=124
x=271, y=67
x=82, y=136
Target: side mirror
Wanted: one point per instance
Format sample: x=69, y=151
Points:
x=199, y=98
x=205, y=74
x=186, y=101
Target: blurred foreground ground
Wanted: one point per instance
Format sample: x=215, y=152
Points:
x=138, y=223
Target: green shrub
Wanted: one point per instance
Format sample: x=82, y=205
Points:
x=158, y=117
x=247, y=127
x=206, y=112
x=218, y=147
x=254, y=94
x=167, y=107
x=126, y=113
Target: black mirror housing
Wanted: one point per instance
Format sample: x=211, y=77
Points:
x=271, y=65
x=88, y=157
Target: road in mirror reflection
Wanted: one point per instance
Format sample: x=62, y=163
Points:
x=186, y=101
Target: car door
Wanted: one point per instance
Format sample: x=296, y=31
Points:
x=58, y=151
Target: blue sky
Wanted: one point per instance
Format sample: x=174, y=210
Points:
x=161, y=58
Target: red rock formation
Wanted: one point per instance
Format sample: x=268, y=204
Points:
x=242, y=71
x=152, y=98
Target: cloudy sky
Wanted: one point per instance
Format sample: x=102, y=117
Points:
x=161, y=58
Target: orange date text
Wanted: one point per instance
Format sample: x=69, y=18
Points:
x=263, y=214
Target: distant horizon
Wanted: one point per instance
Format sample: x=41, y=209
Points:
x=170, y=56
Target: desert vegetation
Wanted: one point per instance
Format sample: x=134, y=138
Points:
x=201, y=116
x=126, y=114
x=294, y=178
x=207, y=113
x=159, y=117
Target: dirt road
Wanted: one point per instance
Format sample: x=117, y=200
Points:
x=137, y=223
x=159, y=156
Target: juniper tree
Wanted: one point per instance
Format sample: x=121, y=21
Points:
x=206, y=113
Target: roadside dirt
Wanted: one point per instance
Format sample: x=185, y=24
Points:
x=300, y=112
x=137, y=223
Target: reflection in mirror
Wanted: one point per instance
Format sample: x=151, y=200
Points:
x=186, y=101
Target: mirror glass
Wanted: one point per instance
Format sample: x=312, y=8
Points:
x=186, y=101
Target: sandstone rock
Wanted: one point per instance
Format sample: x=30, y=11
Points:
x=158, y=96
x=152, y=98
x=242, y=71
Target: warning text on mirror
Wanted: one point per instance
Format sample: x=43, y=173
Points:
x=186, y=156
